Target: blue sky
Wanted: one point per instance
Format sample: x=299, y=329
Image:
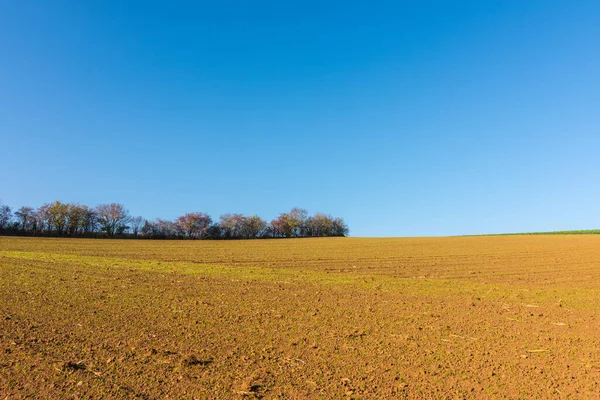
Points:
x=405, y=118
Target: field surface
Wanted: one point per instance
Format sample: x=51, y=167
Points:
x=470, y=317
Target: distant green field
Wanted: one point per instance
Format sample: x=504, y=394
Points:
x=575, y=232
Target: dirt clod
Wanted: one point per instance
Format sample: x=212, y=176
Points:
x=194, y=360
x=73, y=366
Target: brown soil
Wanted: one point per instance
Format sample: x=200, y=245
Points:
x=480, y=317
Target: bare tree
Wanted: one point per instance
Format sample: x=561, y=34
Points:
x=296, y=218
x=149, y=229
x=43, y=218
x=252, y=226
x=90, y=221
x=25, y=217
x=290, y=224
x=325, y=225
x=164, y=228
x=193, y=225
x=112, y=217
x=5, y=216
x=136, y=224
x=280, y=227
x=227, y=225
x=339, y=228
x=56, y=216
x=77, y=218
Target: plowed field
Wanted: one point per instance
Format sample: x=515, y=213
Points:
x=470, y=317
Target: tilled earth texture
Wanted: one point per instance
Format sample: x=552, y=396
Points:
x=470, y=317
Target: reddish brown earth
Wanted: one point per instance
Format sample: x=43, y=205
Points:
x=474, y=317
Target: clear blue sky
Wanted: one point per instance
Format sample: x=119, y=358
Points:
x=405, y=118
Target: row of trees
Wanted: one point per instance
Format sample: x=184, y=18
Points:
x=114, y=220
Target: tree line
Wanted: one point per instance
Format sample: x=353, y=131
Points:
x=114, y=220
